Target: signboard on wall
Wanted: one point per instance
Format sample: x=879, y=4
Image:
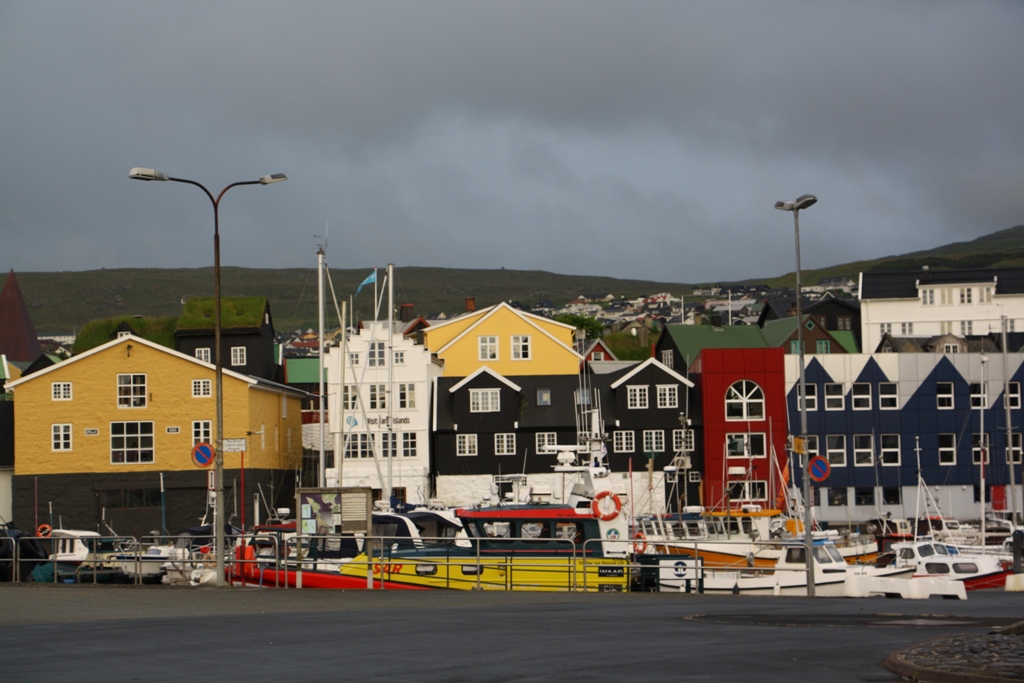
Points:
x=325, y=511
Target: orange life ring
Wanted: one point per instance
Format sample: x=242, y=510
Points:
x=595, y=505
x=639, y=543
x=44, y=530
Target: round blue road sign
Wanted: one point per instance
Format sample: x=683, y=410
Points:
x=819, y=468
x=202, y=454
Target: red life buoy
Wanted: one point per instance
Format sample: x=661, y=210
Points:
x=639, y=543
x=595, y=505
x=44, y=530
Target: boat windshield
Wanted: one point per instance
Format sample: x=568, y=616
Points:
x=834, y=553
x=944, y=549
x=823, y=556
x=925, y=550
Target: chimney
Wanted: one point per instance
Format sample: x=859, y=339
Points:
x=470, y=304
x=716, y=321
x=405, y=313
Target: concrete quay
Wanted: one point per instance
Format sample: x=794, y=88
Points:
x=157, y=633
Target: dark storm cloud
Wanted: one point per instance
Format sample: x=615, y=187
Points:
x=632, y=139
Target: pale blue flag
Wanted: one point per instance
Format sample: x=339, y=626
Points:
x=368, y=281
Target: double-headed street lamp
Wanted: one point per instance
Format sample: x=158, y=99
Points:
x=802, y=202
x=218, y=461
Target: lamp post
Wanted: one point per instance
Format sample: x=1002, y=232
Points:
x=802, y=202
x=218, y=460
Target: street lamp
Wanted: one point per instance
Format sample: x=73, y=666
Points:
x=218, y=460
x=802, y=202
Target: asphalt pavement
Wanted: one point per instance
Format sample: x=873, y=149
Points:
x=156, y=633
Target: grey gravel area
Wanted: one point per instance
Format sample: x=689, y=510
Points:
x=966, y=658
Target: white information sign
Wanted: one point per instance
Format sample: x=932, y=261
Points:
x=234, y=445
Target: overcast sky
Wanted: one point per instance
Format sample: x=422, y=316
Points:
x=632, y=139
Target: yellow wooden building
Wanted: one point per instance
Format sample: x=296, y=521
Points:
x=98, y=435
x=508, y=341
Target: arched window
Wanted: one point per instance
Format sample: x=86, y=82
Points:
x=744, y=401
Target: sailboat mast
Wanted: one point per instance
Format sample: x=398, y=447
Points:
x=984, y=446
x=393, y=447
x=322, y=471
x=1009, y=429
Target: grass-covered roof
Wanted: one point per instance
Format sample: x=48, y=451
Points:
x=97, y=332
x=236, y=311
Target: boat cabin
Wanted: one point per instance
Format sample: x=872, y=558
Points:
x=530, y=527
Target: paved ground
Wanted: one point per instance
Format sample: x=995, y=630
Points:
x=157, y=633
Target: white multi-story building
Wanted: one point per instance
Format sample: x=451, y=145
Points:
x=931, y=303
x=379, y=416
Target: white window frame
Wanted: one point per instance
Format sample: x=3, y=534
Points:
x=753, y=445
x=811, y=445
x=636, y=397
x=238, y=356
x=947, y=454
x=466, y=445
x=668, y=395
x=61, y=437
x=624, y=441
x=889, y=454
x=350, y=397
x=749, y=397
x=487, y=347
x=927, y=297
x=1014, y=396
x=944, y=400
x=754, y=489
x=979, y=398
x=885, y=328
x=376, y=355
x=522, y=347
x=388, y=445
x=861, y=401
x=907, y=329
x=124, y=441
x=863, y=450
x=811, y=404
x=505, y=443
x=980, y=440
x=485, y=400
x=835, y=399
x=965, y=295
x=966, y=328
x=543, y=439
x=358, y=445
x=203, y=354
x=399, y=357
x=407, y=396
x=597, y=356
x=835, y=451
x=1015, y=448
x=202, y=431
x=409, y=445
x=128, y=394
x=682, y=440
x=823, y=346
x=667, y=358
x=61, y=391
x=888, y=401
x=378, y=397
x=353, y=358
x=202, y=388
x=654, y=441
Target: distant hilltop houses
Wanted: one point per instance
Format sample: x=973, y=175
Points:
x=911, y=377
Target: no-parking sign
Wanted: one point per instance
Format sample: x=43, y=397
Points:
x=202, y=454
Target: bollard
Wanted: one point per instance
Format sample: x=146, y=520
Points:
x=1018, y=547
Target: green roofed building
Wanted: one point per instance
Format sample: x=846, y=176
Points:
x=98, y=332
x=247, y=334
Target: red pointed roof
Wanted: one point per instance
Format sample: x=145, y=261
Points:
x=18, y=339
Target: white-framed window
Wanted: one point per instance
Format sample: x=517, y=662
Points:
x=203, y=354
x=951, y=348
x=623, y=441
x=984, y=295
x=795, y=345
x=654, y=441
x=484, y=400
x=60, y=391
x=944, y=395
x=375, y=355
x=388, y=445
x=131, y=391
x=407, y=396
x=682, y=440
x=965, y=295
x=409, y=444
x=399, y=357
x=890, y=451
x=597, y=355
x=121, y=334
x=353, y=358
x=487, y=347
x=979, y=442
x=834, y=397
x=745, y=446
x=885, y=328
x=947, y=449
x=202, y=388
x=946, y=327
x=61, y=437
x=359, y=445
x=378, y=397
x=545, y=439
x=823, y=346
x=888, y=396
x=465, y=444
x=667, y=359
x=863, y=450
x=927, y=297
x=237, y=356
x=1015, y=448
x=835, y=449
x=202, y=431
x=350, y=397
x=668, y=396
x=812, y=396
x=907, y=329
x=748, y=490
x=861, y=396
x=979, y=395
x=811, y=445
x=505, y=444
x=1013, y=398
x=946, y=296
x=636, y=397
x=131, y=442
x=521, y=347
x=966, y=327
x=744, y=400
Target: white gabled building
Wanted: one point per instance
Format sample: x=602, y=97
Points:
x=930, y=303
x=380, y=419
